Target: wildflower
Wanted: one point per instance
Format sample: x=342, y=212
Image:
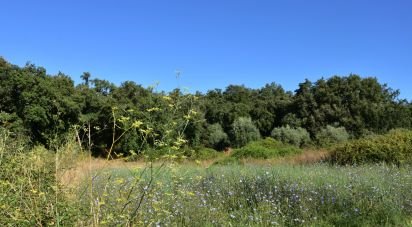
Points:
x=167, y=98
x=137, y=124
x=124, y=119
x=154, y=109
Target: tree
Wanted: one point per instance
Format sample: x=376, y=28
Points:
x=295, y=136
x=217, y=138
x=244, y=131
x=86, y=76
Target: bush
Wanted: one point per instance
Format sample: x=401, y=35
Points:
x=332, y=135
x=203, y=153
x=264, y=149
x=244, y=131
x=392, y=148
x=295, y=136
x=217, y=138
x=31, y=195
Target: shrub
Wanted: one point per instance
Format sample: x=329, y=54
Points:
x=332, y=135
x=244, y=131
x=264, y=149
x=295, y=136
x=393, y=148
x=228, y=161
x=30, y=193
x=204, y=153
x=217, y=138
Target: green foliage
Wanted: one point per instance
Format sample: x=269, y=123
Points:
x=244, y=131
x=223, y=194
x=331, y=135
x=229, y=160
x=392, y=148
x=45, y=107
x=294, y=136
x=265, y=149
x=353, y=102
x=217, y=138
x=204, y=153
x=30, y=194
x=292, y=120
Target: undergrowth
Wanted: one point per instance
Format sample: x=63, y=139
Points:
x=265, y=149
x=392, y=148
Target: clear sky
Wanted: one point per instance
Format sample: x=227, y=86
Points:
x=213, y=43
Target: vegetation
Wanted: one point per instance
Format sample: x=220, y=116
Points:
x=295, y=136
x=217, y=138
x=33, y=193
x=244, y=131
x=392, y=148
x=46, y=107
x=30, y=194
x=249, y=195
x=332, y=135
x=264, y=149
x=50, y=129
x=204, y=153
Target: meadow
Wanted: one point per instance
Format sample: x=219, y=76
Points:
x=336, y=152
x=70, y=188
x=251, y=195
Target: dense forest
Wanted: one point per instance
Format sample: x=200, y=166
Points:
x=44, y=108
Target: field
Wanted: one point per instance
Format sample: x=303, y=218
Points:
x=252, y=195
x=71, y=188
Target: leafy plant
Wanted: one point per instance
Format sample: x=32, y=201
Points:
x=394, y=147
x=294, y=136
x=264, y=149
x=217, y=138
x=204, y=153
x=30, y=193
x=332, y=135
x=244, y=131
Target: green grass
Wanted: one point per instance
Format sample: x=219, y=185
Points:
x=256, y=195
x=31, y=193
x=265, y=149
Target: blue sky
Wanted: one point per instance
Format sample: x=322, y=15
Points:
x=213, y=43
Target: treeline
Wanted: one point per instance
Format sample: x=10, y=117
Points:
x=44, y=108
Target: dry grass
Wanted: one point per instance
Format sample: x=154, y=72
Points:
x=80, y=167
x=309, y=156
x=76, y=171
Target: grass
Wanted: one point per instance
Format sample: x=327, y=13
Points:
x=256, y=195
x=41, y=188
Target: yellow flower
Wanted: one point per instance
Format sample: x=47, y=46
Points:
x=124, y=119
x=154, y=109
x=137, y=124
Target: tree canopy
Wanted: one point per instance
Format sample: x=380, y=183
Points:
x=46, y=107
